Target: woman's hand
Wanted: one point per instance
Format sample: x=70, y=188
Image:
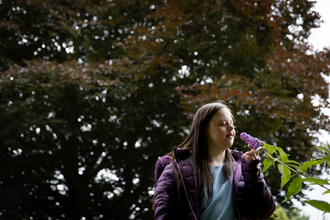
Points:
x=252, y=154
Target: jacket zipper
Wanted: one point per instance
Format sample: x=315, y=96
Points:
x=185, y=190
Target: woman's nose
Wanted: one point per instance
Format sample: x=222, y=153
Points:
x=230, y=127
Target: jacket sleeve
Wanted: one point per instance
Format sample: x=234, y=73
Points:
x=166, y=198
x=255, y=192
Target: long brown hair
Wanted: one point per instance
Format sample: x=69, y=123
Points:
x=196, y=143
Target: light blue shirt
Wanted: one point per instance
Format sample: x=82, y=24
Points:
x=221, y=206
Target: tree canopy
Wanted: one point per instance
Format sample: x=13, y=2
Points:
x=92, y=93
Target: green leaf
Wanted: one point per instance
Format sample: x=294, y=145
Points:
x=285, y=174
x=280, y=150
x=326, y=192
x=294, y=187
x=267, y=163
x=320, y=205
x=308, y=164
x=292, y=165
x=316, y=181
x=269, y=148
x=328, y=145
x=281, y=168
x=283, y=156
x=293, y=162
x=327, y=159
x=323, y=148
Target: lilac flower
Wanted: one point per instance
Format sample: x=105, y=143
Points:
x=255, y=142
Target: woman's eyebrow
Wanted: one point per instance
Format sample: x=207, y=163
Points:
x=226, y=120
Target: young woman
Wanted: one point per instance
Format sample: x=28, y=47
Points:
x=203, y=179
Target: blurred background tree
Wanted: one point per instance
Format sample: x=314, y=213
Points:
x=92, y=93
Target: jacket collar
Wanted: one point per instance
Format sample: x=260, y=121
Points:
x=236, y=154
x=181, y=154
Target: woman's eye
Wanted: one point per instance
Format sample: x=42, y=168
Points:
x=226, y=124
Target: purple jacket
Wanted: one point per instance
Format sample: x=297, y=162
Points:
x=253, y=200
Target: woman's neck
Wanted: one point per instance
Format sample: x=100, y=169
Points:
x=216, y=158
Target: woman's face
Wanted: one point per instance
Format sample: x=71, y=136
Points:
x=220, y=132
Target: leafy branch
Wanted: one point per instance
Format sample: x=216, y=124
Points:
x=293, y=170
